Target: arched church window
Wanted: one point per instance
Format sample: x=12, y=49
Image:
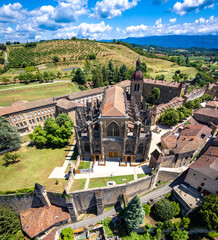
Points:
x=96, y=127
x=113, y=130
x=140, y=148
x=87, y=148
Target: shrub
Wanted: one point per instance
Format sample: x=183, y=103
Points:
x=163, y=210
x=147, y=209
x=107, y=226
x=67, y=234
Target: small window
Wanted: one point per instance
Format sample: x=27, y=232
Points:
x=49, y=110
x=31, y=114
x=205, y=179
x=24, y=123
x=35, y=113
x=46, y=111
x=32, y=127
x=194, y=174
x=40, y=118
x=27, y=115
x=22, y=117
x=42, y=112
x=39, y=113
x=52, y=109
x=202, y=184
x=87, y=148
x=21, y=124
x=44, y=117
x=33, y=120
x=30, y=121
x=37, y=119
x=17, y=125
x=15, y=119
x=18, y=118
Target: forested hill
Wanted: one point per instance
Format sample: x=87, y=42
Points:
x=178, y=41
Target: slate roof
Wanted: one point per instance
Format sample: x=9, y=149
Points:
x=114, y=103
x=36, y=220
x=207, y=164
x=157, y=155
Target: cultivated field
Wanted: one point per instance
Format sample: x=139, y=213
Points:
x=74, y=54
x=31, y=93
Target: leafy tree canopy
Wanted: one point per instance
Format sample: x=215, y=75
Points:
x=179, y=234
x=9, y=138
x=208, y=213
x=163, y=210
x=79, y=77
x=154, y=95
x=10, y=227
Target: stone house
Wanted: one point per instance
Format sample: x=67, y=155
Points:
x=203, y=173
x=180, y=146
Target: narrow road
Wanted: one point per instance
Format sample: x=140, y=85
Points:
x=34, y=85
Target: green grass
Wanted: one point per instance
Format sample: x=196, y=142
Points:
x=78, y=184
x=35, y=166
x=84, y=164
x=141, y=175
x=7, y=97
x=102, y=182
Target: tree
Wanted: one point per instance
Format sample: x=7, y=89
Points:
x=10, y=158
x=9, y=225
x=143, y=67
x=104, y=75
x=96, y=78
x=9, y=138
x=154, y=95
x=176, y=208
x=24, y=64
x=123, y=73
x=59, y=74
x=55, y=59
x=135, y=214
x=110, y=72
x=179, y=235
x=162, y=210
x=208, y=213
x=67, y=234
x=170, y=117
x=160, y=77
x=79, y=77
x=147, y=209
x=73, y=38
x=185, y=222
x=62, y=118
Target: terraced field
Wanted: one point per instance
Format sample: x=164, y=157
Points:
x=74, y=53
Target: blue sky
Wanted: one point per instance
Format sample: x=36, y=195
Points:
x=30, y=20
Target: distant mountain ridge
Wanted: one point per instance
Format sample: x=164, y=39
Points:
x=177, y=41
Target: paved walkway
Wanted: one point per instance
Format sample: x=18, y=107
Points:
x=59, y=172
x=112, y=168
x=87, y=182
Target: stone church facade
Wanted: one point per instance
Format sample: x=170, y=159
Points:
x=118, y=127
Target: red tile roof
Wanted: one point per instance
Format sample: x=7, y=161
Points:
x=51, y=235
x=162, y=83
x=114, y=103
x=207, y=164
x=196, y=130
x=207, y=112
x=36, y=220
x=212, y=104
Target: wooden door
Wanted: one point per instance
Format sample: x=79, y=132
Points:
x=110, y=154
x=115, y=154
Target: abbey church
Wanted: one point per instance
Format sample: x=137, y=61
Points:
x=118, y=127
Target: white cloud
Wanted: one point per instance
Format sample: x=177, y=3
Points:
x=187, y=6
x=93, y=31
x=107, y=9
x=199, y=26
x=173, y=20
x=11, y=12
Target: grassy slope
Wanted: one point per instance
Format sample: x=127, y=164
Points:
x=75, y=50
x=36, y=92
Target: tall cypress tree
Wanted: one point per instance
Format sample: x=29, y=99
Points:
x=135, y=214
x=9, y=138
x=110, y=72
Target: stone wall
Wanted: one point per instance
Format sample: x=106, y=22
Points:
x=19, y=203
x=85, y=199
x=165, y=176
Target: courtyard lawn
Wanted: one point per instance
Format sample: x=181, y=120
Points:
x=84, y=164
x=78, y=184
x=102, y=182
x=35, y=165
x=141, y=175
x=7, y=97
